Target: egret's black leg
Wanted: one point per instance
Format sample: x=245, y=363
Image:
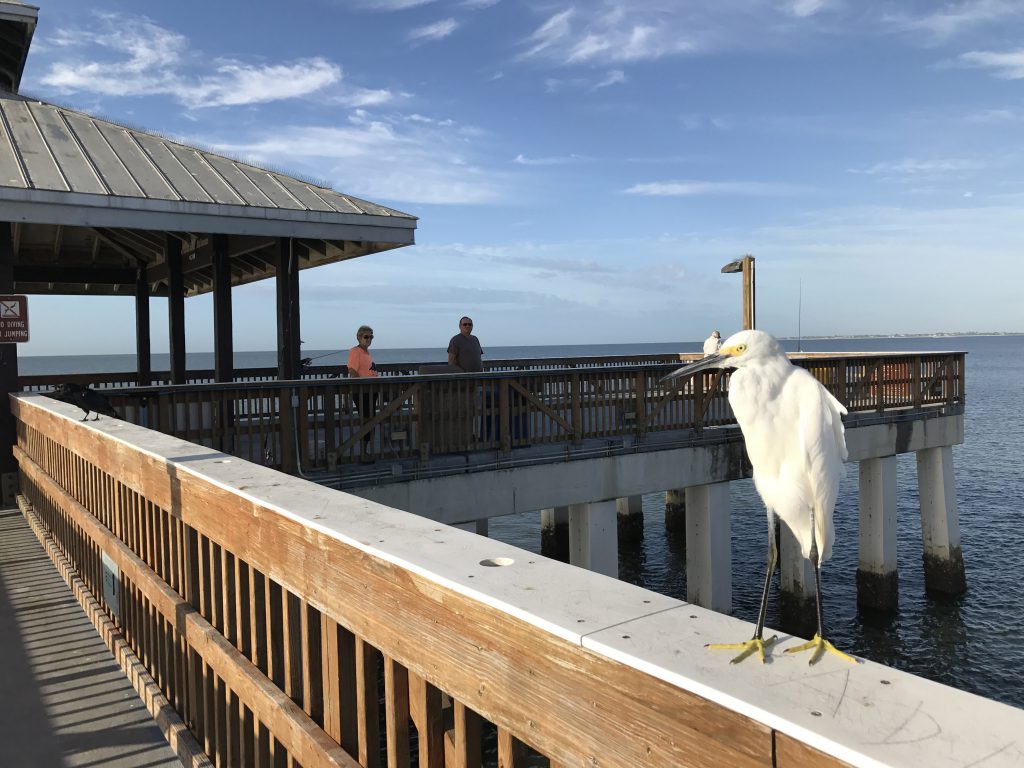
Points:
x=773, y=561
x=757, y=642
x=819, y=643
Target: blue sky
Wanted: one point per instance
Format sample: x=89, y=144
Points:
x=582, y=170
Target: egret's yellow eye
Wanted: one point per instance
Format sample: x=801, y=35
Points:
x=740, y=348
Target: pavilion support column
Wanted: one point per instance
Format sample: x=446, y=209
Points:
x=143, y=350
x=288, y=340
x=593, y=537
x=940, y=522
x=176, y=309
x=8, y=378
x=709, y=547
x=877, y=577
x=223, y=347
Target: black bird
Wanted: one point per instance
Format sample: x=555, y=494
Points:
x=89, y=400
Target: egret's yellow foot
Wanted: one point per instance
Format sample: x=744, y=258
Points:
x=758, y=644
x=821, y=646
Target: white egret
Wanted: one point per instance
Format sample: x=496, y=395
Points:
x=794, y=435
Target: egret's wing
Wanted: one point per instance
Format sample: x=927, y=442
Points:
x=823, y=443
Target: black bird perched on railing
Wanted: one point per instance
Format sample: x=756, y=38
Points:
x=89, y=400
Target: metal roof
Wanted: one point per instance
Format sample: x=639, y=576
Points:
x=93, y=203
x=17, y=25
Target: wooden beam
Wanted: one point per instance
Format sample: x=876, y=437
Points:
x=223, y=348
x=175, y=309
x=288, y=340
x=29, y=273
x=143, y=352
x=8, y=377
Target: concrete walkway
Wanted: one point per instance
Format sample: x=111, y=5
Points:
x=63, y=700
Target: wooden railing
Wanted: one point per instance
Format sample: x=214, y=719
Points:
x=293, y=625
x=315, y=425
x=120, y=380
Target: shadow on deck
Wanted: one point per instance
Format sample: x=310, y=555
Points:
x=64, y=701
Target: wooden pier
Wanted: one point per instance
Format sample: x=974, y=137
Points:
x=265, y=608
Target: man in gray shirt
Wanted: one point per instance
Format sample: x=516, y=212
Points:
x=464, y=349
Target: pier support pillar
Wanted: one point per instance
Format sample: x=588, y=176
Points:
x=709, y=547
x=554, y=533
x=940, y=524
x=479, y=527
x=796, y=584
x=877, y=577
x=631, y=518
x=593, y=537
x=675, y=511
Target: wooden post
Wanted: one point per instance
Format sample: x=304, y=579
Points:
x=223, y=348
x=143, y=351
x=288, y=341
x=708, y=547
x=8, y=378
x=504, y=417
x=175, y=309
x=748, y=293
x=577, y=409
x=877, y=577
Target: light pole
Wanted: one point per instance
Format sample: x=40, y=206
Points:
x=745, y=265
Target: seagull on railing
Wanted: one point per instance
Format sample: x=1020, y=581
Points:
x=89, y=400
x=793, y=430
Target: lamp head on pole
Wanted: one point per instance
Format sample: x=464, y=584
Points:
x=733, y=266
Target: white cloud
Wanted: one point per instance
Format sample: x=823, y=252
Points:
x=563, y=160
x=913, y=167
x=951, y=19
x=149, y=60
x=1008, y=65
x=614, y=77
x=804, y=8
x=395, y=158
x=390, y=5
x=436, y=31
x=693, y=188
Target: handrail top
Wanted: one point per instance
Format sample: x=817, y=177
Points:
x=865, y=714
x=484, y=375
x=573, y=364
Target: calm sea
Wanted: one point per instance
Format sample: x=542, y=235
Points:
x=972, y=642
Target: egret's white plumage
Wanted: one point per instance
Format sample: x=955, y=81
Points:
x=793, y=430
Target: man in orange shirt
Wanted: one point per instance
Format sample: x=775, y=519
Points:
x=361, y=366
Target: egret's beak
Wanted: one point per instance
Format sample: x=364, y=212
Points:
x=711, y=361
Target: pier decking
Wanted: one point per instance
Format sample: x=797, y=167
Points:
x=64, y=702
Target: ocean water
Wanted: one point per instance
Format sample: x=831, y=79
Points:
x=972, y=642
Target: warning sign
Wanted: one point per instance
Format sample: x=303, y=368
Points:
x=13, y=319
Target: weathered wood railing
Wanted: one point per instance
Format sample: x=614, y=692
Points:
x=340, y=421
x=294, y=625
x=120, y=380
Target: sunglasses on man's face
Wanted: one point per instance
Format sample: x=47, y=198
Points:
x=367, y=336
x=468, y=324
